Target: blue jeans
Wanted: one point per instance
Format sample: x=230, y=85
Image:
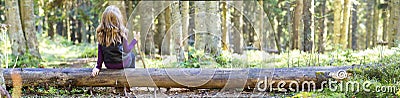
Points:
x=130, y=63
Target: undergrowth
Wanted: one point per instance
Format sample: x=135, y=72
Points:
x=379, y=73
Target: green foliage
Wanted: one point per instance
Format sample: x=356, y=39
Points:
x=57, y=51
x=5, y=50
x=89, y=52
x=52, y=91
x=193, y=60
x=224, y=59
x=24, y=61
x=398, y=93
x=200, y=59
x=386, y=73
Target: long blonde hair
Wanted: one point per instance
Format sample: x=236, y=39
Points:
x=111, y=29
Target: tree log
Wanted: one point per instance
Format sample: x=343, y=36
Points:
x=168, y=78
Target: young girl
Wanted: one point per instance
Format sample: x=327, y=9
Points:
x=113, y=47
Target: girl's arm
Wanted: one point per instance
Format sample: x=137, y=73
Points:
x=128, y=48
x=99, y=57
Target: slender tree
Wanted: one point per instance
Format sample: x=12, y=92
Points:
x=213, y=24
x=149, y=42
x=15, y=32
x=288, y=22
x=384, y=24
x=354, y=26
x=160, y=26
x=28, y=26
x=145, y=21
x=237, y=30
x=279, y=31
x=369, y=24
x=177, y=31
x=375, y=25
x=345, y=25
x=323, y=30
x=296, y=23
x=308, y=21
x=185, y=22
x=390, y=24
x=337, y=21
x=394, y=23
x=200, y=25
x=224, y=26
x=259, y=32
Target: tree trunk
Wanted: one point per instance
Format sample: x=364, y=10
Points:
x=160, y=26
x=345, y=25
x=391, y=37
x=375, y=26
x=200, y=25
x=308, y=21
x=28, y=26
x=145, y=23
x=296, y=23
x=185, y=23
x=354, y=27
x=237, y=35
x=337, y=22
x=397, y=22
x=191, y=28
x=79, y=33
x=73, y=26
x=385, y=24
x=394, y=23
x=213, y=24
x=166, y=44
x=149, y=42
x=288, y=21
x=279, y=29
x=176, y=31
x=50, y=30
x=66, y=23
x=169, y=78
x=369, y=24
x=59, y=27
x=323, y=30
x=15, y=33
x=224, y=27
x=259, y=31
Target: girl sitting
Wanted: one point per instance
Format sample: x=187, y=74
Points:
x=113, y=47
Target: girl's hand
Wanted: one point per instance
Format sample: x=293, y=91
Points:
x=95, y=71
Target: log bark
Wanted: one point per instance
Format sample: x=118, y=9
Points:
x=168, y=78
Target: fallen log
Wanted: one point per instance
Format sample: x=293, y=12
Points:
x=168, y=78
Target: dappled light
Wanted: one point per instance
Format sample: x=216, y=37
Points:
x=238, y=48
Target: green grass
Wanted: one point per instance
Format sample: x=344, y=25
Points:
x=294, y=58
x=60, y=49
x=384, y=71
x=54, y=52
